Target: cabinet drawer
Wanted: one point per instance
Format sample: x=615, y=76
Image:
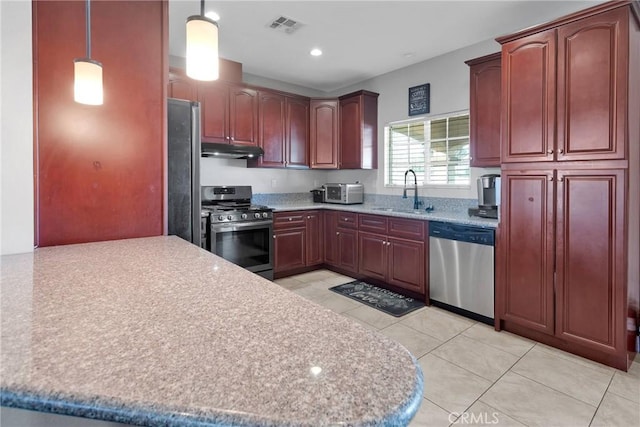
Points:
x=288, y=219
x=347, y=220
x=407, y=228
x=374, y=223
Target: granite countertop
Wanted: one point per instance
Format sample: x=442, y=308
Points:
x=456, y=217
x=156, y=331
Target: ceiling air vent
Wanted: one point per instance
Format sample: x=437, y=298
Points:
x=282, y=23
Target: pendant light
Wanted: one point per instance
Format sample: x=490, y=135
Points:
x=202, y=47
x=87, y=73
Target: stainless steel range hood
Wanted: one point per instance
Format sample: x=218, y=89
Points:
x=230, y=151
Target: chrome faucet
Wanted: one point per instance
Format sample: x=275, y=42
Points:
x=416, y=202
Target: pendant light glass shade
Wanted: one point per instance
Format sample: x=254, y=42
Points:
x=202, y=48
x=87, y=84
x=87, y=73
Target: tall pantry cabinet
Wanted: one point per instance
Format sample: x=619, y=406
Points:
x=569, y=236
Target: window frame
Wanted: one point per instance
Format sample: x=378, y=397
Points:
x=423, y=119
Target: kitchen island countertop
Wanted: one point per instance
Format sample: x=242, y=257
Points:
x=455, y=217
x=156, y=331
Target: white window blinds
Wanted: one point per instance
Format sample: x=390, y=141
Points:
x=436, y=149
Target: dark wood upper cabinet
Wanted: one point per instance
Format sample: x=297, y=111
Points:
x=528, y=98
x=229, y=113
x=593, y=67
x=324, y=133
x=271, y=138
x=485, y=81
x=359, y=131
x=99, y=169
x=583, y=68
x=283, y=123
x=214, y=112
x=297, y=132
x=181, y=87
x=243, y=115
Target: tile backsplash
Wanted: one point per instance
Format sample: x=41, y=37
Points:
x=378, y=200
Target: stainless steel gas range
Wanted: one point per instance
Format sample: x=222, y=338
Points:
x=236, y=230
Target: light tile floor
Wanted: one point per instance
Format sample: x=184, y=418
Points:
x=477, y=376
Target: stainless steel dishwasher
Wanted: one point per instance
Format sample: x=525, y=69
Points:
x=461, y=269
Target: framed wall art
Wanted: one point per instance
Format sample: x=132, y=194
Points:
x=419, y=99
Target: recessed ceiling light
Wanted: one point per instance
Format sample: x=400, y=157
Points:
x=315, y=52
x=408, y=55
x=212, y=15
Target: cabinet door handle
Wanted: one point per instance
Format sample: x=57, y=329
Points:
x=550, y=151
x=290, y=219
x=337, y=233
x=550, y=178
x=274, y=236
x=561, y=151
x=309, y=217
x=560, y=178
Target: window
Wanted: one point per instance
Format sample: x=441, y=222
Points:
x=436, y=149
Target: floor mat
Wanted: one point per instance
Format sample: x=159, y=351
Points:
x=384, y=300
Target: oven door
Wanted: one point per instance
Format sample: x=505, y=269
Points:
x=247, y=244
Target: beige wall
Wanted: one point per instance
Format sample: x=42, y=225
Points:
x=16, y=124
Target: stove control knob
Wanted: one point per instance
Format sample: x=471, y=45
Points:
x=220, y=218
x=243, y=216
x=265, y=215
x=257, y=214
x=229, y=217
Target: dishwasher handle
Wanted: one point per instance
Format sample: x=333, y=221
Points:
x=462, y=233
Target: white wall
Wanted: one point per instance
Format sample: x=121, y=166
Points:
x=16, y=128
x=234, y=172
x=448, y=77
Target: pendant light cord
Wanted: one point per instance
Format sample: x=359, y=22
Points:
x=201, y=7
x=88, y=21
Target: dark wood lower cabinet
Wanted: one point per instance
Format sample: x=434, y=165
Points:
x=289, y=249
x=398, y=262
x=373, y=255
x=528, y=241
x=563, y=260
x=590, y=251
x=298, y=241
x=407, y=265
x=314, y=227
x=330, y=238
x=348, y=250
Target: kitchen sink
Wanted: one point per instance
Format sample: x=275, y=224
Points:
x=411, y=211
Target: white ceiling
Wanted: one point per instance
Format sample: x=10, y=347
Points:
x=360, y=39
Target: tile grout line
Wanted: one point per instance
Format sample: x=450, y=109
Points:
x=560, y=391
x=494, y=383
x=602, y=399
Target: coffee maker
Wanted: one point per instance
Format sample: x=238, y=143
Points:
x=488, y=197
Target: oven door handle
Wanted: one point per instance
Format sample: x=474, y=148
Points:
x=224, y=227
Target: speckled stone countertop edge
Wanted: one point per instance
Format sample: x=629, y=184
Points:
x=443, y=216
x=123, y=413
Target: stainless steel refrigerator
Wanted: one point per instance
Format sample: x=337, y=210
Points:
x=183, y=157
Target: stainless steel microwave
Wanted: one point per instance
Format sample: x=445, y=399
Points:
x=344, y=194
